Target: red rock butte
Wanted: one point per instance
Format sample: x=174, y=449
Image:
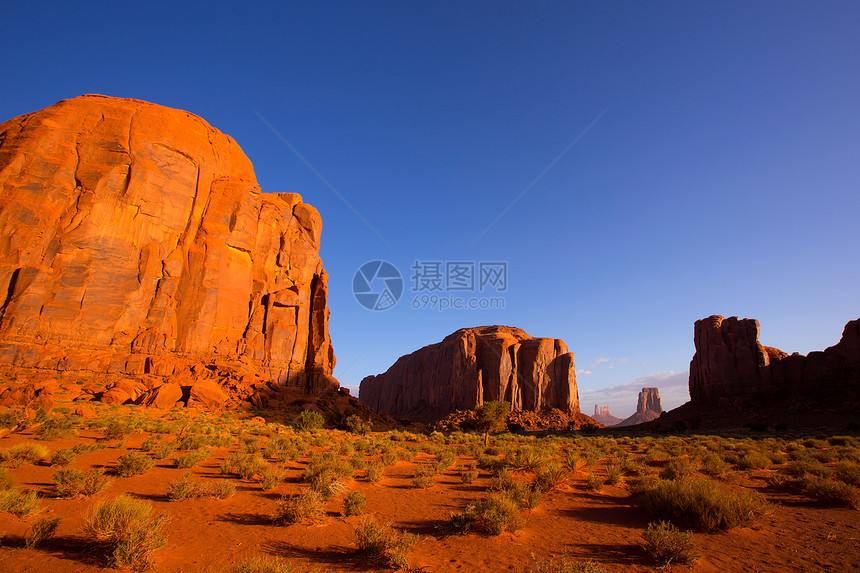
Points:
x=136, y=247
x=474, y=365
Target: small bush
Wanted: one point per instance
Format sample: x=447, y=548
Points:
x=185, y=487
x=42, y=530
x=127, y=530
x=222, y=489
x=381, y=544
x=849, y=473
x=595, y=482
x=469, y=474
x=356, y=425
x=678, y=468
x=115, y=431
x=374, y=471
x=493, y=515
x=71, y=482
x=19, y=501
x=63, y=457
x=424, y=477
x=192, y=457
x=133, y=463
x=754, y=461
x=20, y=453
x=299, y=508
x=308, y=421
x=704, y=505
x=353, y=503
x=668, y=545
x=550, y=477
x=565, y=564
x=164, y=449
x=832, y=492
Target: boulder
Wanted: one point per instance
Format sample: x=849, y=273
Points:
x=474, y=365
x=135, y=240
x=165, y=396
x=206, y=395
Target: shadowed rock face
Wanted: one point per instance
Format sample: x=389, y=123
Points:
x=474, y=365
x=648, y=408
x=730, y=364
x=134, y=240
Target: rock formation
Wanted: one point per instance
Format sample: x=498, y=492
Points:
x=136, y=248
x=731, y=365
x=603, y=416
x=474, y=365
x=648, y=408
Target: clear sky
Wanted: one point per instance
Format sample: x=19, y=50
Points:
x=637, y=165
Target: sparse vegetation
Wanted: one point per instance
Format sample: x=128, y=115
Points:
x=42, y=530
x=133, y=463
x=668, y=545
x=299, y=508
x=127, y=530
x=381, y=544
x=72, y=482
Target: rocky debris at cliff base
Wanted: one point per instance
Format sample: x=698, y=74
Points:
x=553, y=419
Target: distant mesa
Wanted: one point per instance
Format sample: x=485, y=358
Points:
x=474, y=365
x=603, y=416
x=647, y=409
x=137, y=252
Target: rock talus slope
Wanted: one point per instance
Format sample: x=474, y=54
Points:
x=474, y=365
x=135, y=242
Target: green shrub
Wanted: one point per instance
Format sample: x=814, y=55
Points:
x=381, y=544
x=71, y=482
x=20, y=453
x=42, y=530
x=133, y=463
x=309, y=420
x=595, y=482
x=115, y=430
x=754, y=461
x=668, y=545
x=243, y=465
x=19, y=501
x=356, y=425
x=424, y=477
x=564, y=564
x=550, y=476
x=185, y=487
x=270, y=477
x=127, y=530
x=678, y=468
x=192, y=457
x=833, y=492
x=353, y=503
x=849, y=473
x=299, y=507
x=704, y=505
x=374, y=472
x=164, y=449
x=63, y=457
x=469, y=474
x=222, y=489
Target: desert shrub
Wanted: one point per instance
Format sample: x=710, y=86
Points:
x=149, y=444
x=849, y=473
x=20, y=453
x=424, y=477
x=754, y=461
x=18, y=501
x=265, y=564
x=62, y=457
x=191, y=458
x=71, y=482
x=57, y=428
x=243, y=465
x=353, y=503
x=668, y=545
x=497, y=514
x=222, y=489
x=373, y=472
x=490, y=416
x=308, y=421
x=115, y=430
x=164, y=449
x=469, y=474
x=356, y=425
x=678, y=468
x=564, y=564
x=713, y=465
x=380, y=543
x=185, y=487
x=613, y=474
x=299, y=507
x=574, y=461
x=802, y=469
x=42, y=530
x=270, y=477
x=133, y=463
x=127, y=529
x=704, y=505
x=595, y=482
x=444, y=460
x=550, y=476
x=832, y=492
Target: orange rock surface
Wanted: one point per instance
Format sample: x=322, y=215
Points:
x=474, y=365
x=136, y=245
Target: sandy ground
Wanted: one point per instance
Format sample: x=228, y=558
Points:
x=211, y=535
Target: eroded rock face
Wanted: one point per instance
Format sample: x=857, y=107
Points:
x=135, y=241
x=648, y=408
x=474, y=365
x=603, y=416
x=731, y=364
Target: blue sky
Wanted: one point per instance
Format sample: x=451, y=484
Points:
x=714, y=171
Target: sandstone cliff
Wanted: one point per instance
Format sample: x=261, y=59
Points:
x=647, y=409
x=730, y=364
x=603, y=416
x=135, y=245
x=474, y=365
